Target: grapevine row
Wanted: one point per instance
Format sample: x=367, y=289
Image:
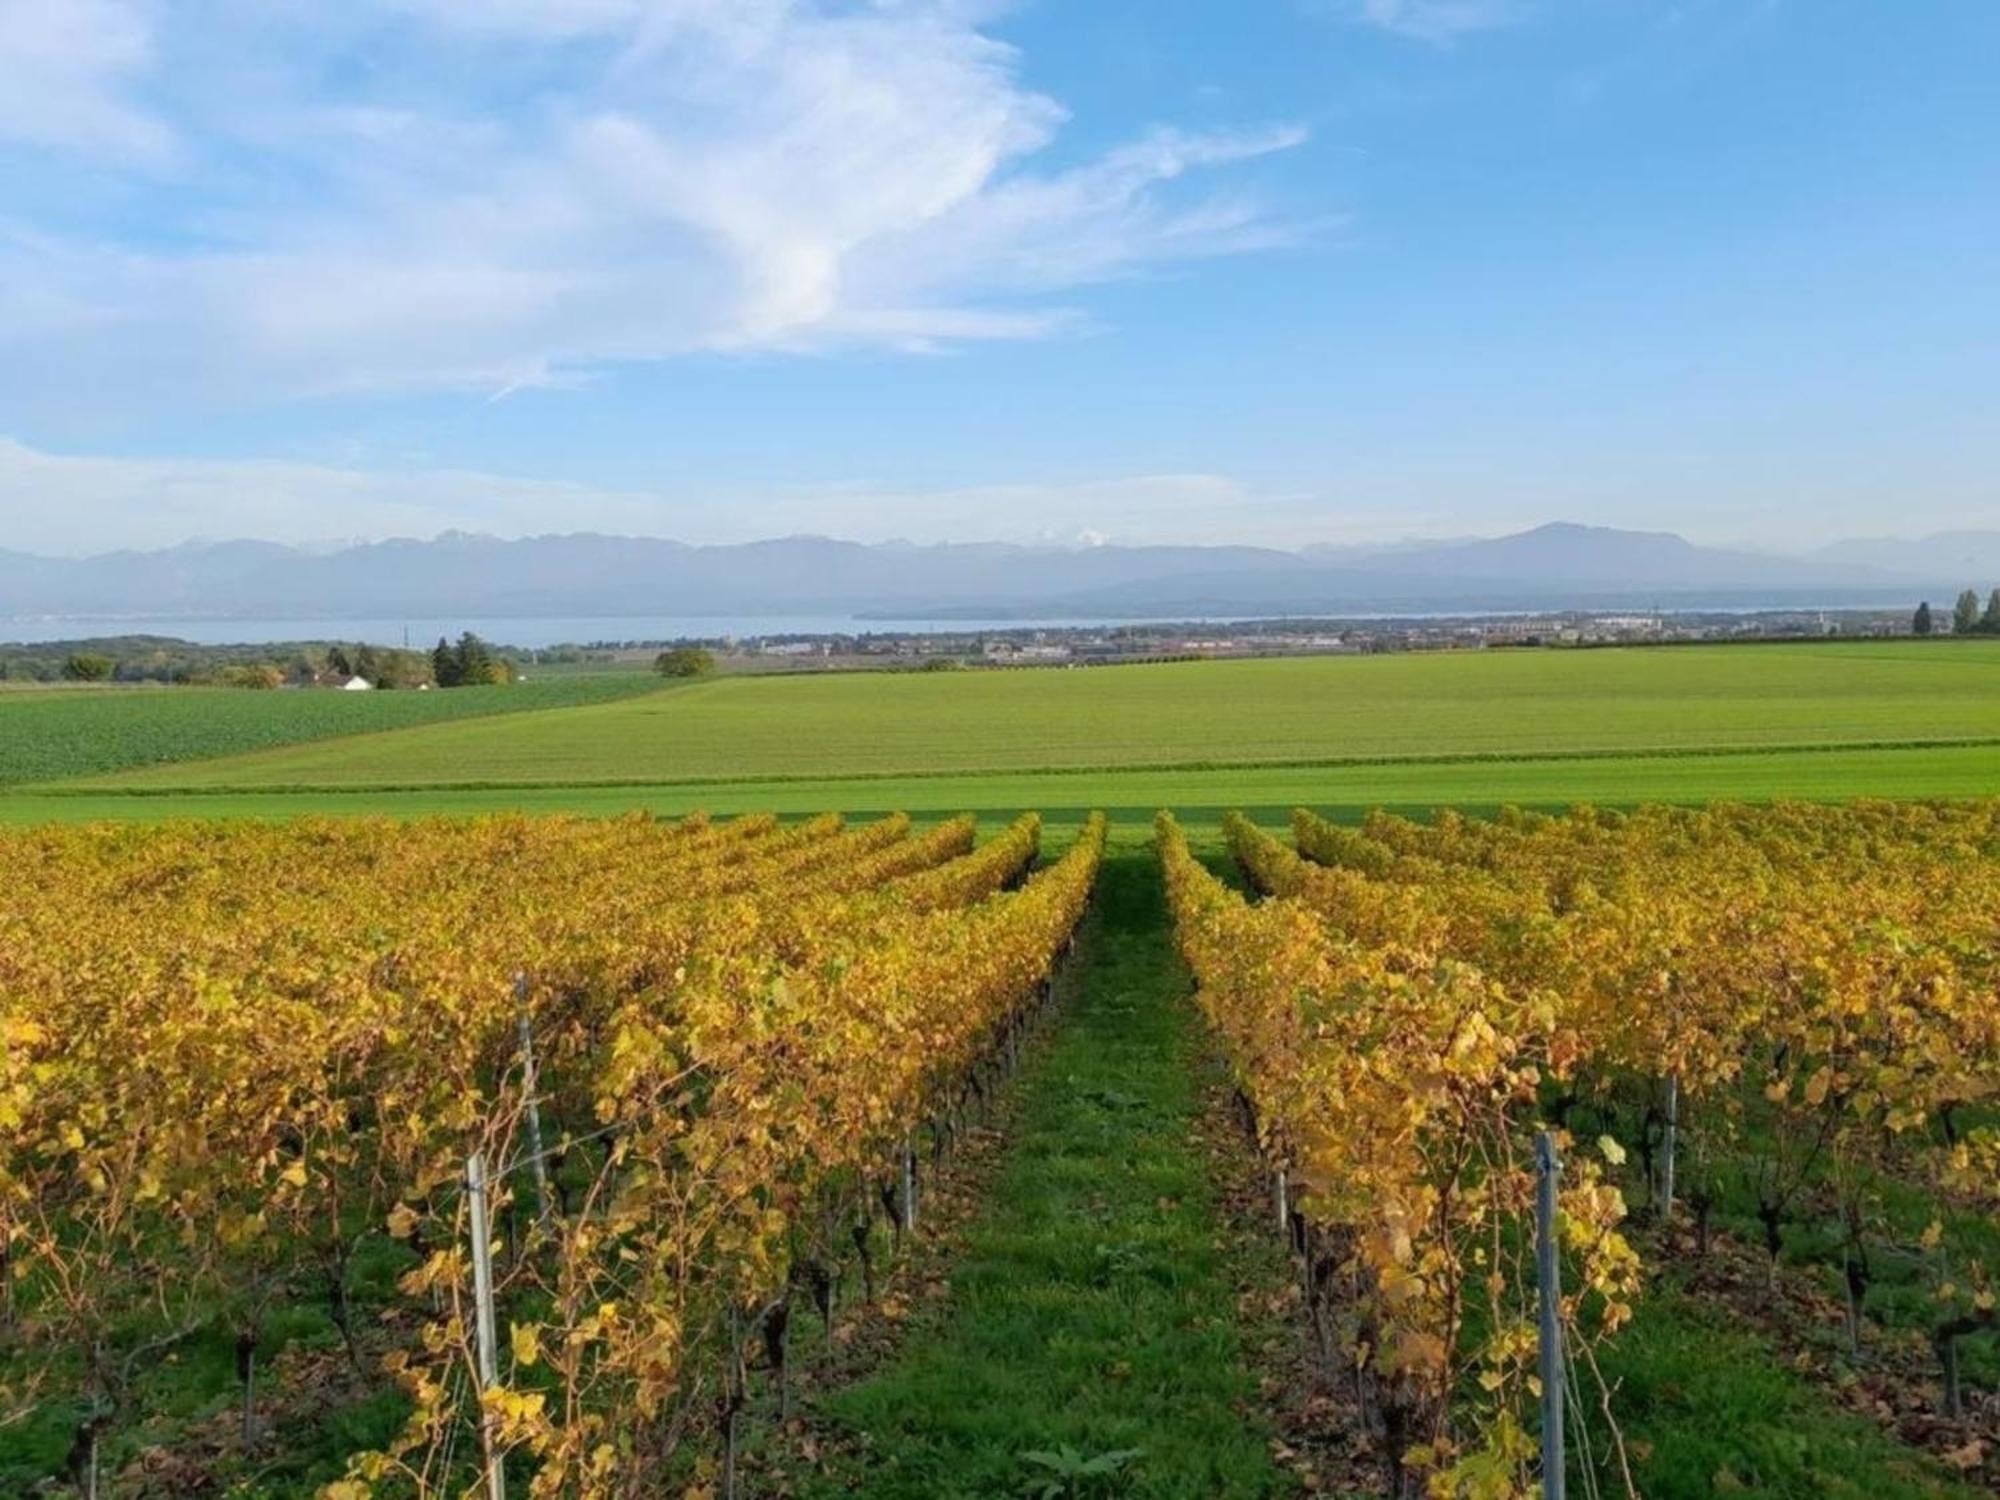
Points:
x=1789, y=1009
x=1394, y=1095
x=273, y=1045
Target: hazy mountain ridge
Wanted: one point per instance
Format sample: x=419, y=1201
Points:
x=1949, y=553
x=1558, y=565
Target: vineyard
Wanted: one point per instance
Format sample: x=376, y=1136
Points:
x=576, y=1157
x=1770, y=1031
x=619, y=1103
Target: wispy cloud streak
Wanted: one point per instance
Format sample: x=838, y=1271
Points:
x=387, y=195
x=1435, y=21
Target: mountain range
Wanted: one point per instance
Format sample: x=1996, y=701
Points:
x=1560, y=565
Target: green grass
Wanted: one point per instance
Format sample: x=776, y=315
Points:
x=1092, y=1306
x=1709, y=1409
x=194, y=1385
x=1411, y=732
x=48, y=733
x=1202, y=794
x=1900, y=1297
x=1496, y=704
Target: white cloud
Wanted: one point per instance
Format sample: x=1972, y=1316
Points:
x=65, y=66
x=562, y=185
x=543, y=20
x=1436, y=20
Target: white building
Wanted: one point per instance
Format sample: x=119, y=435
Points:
x=356, y=685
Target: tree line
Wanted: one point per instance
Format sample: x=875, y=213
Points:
x=1968, y=617
x=467, y=662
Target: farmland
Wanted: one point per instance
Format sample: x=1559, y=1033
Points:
x=1202, y=793
x=1408, y=731
x=746, y=1028
x=52, y=732
x=1193, y=713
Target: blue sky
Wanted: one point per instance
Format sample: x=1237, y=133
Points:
x=1279, y=271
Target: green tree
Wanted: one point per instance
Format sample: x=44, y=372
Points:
x=685, y=661
x=1965, y=614
x=467, y=665
x=471, y=663
x=475, y=661
x=445, y=665
x=87, y=666
x=1989, y=623
x=1923, y=624
x=400, y=669
x=263, y=676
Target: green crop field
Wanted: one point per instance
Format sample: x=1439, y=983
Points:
x=52, y=732
x=1227, y=713
x=1479, y=729
x=1200, y=794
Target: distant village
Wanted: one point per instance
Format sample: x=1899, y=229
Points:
x=1097, y=645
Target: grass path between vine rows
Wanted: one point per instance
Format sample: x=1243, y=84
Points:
x=1094, y=1304
x=1105, y=1298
